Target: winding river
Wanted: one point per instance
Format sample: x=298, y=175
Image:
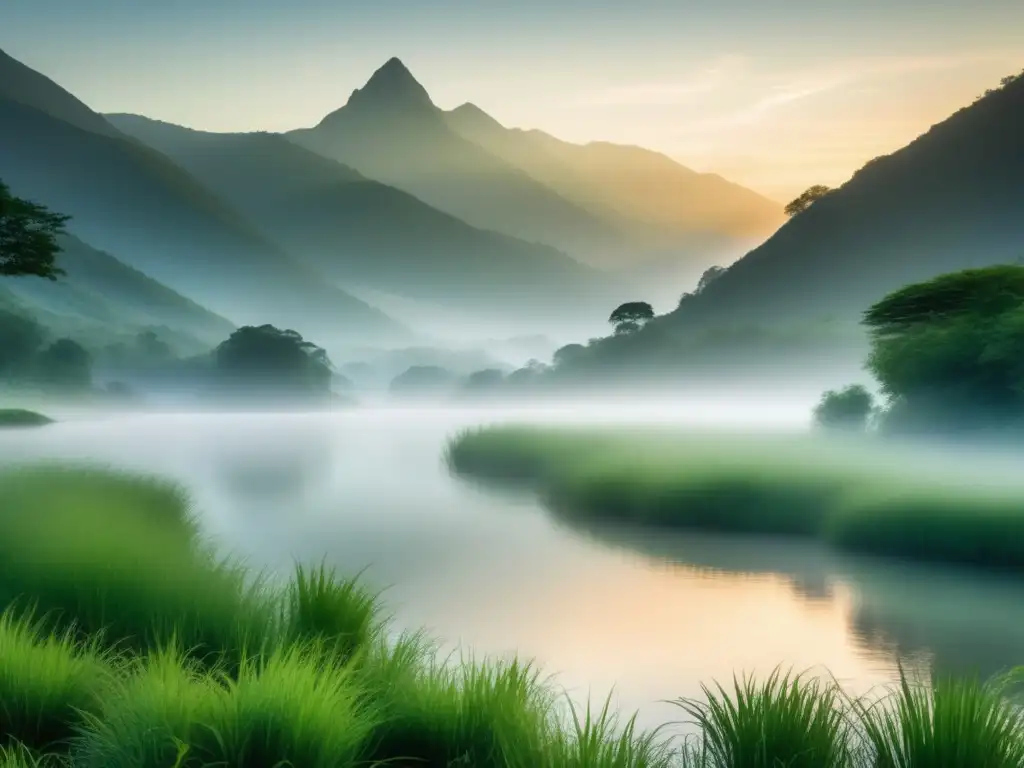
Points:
x=650, y=616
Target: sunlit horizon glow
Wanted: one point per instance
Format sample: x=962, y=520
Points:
x=773, y=98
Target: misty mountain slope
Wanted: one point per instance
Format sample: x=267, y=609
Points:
x=391, y=131
x=364, y=232
x=100, y=288
x=647, y=189
x=131, y=200
x=24, y=85
x=952, y=199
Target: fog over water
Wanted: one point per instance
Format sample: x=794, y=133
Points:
x=650, y=614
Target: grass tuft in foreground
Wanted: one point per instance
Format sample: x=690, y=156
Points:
x=786, y=720
x=47, y=683
x=950, y=723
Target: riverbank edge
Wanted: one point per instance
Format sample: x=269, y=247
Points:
x=660, y=479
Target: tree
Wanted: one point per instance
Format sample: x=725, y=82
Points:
x=20, y=340
x=809, y=197
x=631, y=316
x=28, y=237
x=65, y=365
x=568, y=355
x=848, y=409
x=949, y=352
x=268, y=359
x=710, y=275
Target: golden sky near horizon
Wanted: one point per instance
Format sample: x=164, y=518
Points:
x=773, y=97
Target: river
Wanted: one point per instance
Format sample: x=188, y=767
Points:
x=648, y=615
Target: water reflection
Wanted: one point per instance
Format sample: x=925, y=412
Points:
x=964, y=622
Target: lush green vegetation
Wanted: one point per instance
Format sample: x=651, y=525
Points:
x=850, y=495
x=17, y=417
x=847, y=409
x=127, y=644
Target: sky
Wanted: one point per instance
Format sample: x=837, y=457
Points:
x=773, y=95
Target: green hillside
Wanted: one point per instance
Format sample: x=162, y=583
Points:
x=131, y=200
x=107, y=297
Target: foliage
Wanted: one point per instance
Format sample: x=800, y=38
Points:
x=20, y=339
x=631, y=316
x=807, y=198
x=710, y=275
x=64, y=365
x=28, y=237
x=267, y=359
x=847, y=409
x=949, y=352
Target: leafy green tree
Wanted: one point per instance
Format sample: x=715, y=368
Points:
x=65, y=365
x=848, y=409
x=268, y=359
x=20, y=340
x=631, y=316
x=949, y=352
x=808, y=198
x=568, y=355
x=28, y=237
x=710, y=275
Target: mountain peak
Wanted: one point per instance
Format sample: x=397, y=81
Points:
x=391, y=85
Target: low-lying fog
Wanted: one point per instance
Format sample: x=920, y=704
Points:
x=650, y=614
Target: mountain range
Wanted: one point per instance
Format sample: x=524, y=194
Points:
x=952, y=199
x=134, y=202
x=606, y=205
x=362, y=233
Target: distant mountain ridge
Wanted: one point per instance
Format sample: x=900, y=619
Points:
x=622, y=209
x=952, y=199
x=132, y=201
x=364, y=233
x=390, y=130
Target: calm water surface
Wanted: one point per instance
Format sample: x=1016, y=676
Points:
x=650, y=615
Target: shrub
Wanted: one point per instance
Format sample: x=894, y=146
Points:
x=847, y=409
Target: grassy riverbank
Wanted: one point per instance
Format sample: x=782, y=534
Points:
x=855, y=496
x=126, y=642
x=18, y=417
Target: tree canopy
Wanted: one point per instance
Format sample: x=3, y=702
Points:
x=950, y=350
x=807, y=198
x=631, y=316
x=28, y=237
x=265, y=358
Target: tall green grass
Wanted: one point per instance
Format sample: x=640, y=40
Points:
x=854, y=496
x=47, y=683
x=109, y=676
x=119, y=559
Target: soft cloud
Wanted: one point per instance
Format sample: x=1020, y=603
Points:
x=707, y=80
